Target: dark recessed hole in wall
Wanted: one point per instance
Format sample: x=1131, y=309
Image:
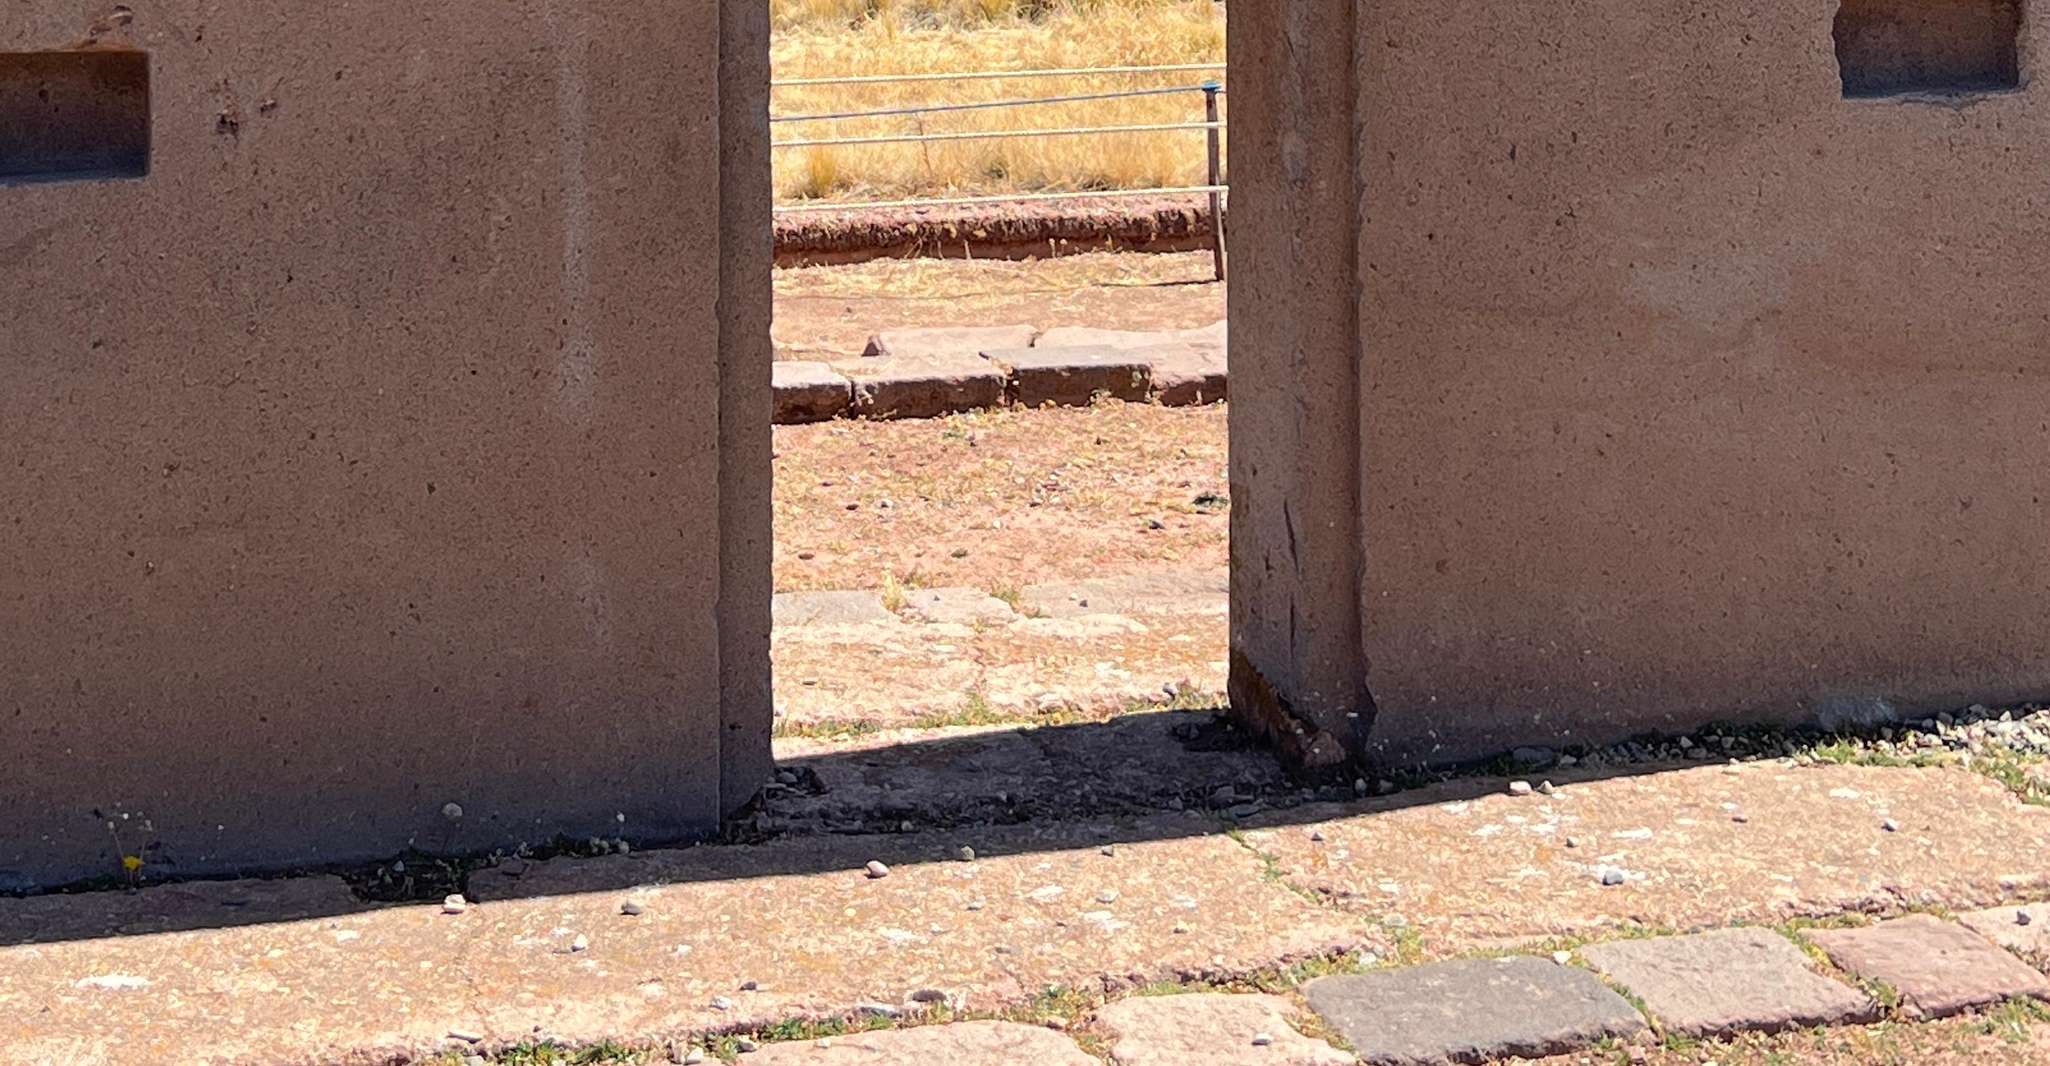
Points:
x=73, y=115
x=1889, y=47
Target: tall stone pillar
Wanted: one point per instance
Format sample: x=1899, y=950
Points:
x=384, y=429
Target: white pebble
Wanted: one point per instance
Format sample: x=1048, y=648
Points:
x=580, y=943
x=630, y=908
x=452, y=811
x=455, y=904
x=721, y=1003
x=966, y=854
x=877, y=869
x=1107, y=896
x=1519, y=788
x=1262, y=1039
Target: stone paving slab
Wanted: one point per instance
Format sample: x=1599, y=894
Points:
x=993, y=774
x=1938, y=967
x=957, y=606
x=1187, y=374
x=898, y=673
x=958, y=1044
x=1471, y=866
x=1471, y=1010
x=546, y=949
x=852, y=608
x=1129, y=339
x=1071, y=377
x=2022, y=928
x=947, y=342
x=906, y=386
x=1728, y=981
x=1210, y=1029
x=808, y=392
x=1161, y=593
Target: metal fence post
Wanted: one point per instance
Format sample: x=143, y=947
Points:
x=1210, y=91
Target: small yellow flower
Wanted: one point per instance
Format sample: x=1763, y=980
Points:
x=131, y=863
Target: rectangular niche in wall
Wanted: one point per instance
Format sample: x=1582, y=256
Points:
x=73, y=115
x=1889, y=47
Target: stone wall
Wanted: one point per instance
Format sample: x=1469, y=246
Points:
x=1680, y=386
x=386, y=466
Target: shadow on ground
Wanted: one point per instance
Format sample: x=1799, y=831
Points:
x=900, y=798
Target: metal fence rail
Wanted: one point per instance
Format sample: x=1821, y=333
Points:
x=1212, y=123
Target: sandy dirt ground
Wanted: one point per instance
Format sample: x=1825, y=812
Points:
x=999, y=499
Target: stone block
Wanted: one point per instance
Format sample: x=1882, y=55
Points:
x=1212, y=1029
x=829, y=609
x=947, y=341
x=1939, y=968
x=1728, y=981
x=1184, y=375
x=809, y=392
x=925, y=386
x=1163, y=593
x=1071, y=377
x=1471, y=1010
x=959, y=1044
x=2021, y=928
x=959, y=606
x=1130, y=339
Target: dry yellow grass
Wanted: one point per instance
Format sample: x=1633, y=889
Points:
x=827, y=38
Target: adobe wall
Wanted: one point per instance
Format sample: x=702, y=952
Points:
x=1686, y=388
x=359, y=458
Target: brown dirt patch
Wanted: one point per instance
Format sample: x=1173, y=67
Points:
x=1001, y=499
x=830, y=312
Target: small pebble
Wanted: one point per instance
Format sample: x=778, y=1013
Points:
x=1562, y=957
x=455, y=904
x=745, y=1046
x=1740, y=819
x=1519, y=788
x=1179, y=928
x=928, y=995
x=1890, y=826
x=877, y=869
x=1262, y=1039
x=693, y=1056
x=1547, y=788
x=721, y=1003
x=966, y=854
x=466, y=1036
x=580, y=943
x=1107, y=896
x=976, y=904
x=631, y=908
x=1110, y=850
x=2022, y=918
x=1611, y=876
x=1572, y=842
x=750, y=986
x=452, y=811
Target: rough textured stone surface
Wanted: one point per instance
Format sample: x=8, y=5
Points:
x=1471, y=866
x=1938, y=967
x=1210, y=1030
x=924, y=386
x=336, y=443
x=809, y=392
x=1627, y=419
x=1137, y=594
x=956, y=606
x=1186, y=374
x=831, y=608
x=1070, y=377
x=800, y=918
x=1471, y=1010
x=895, y=673
x=2004, y=926
x=993, y=774
x=1728, y=981
x=1212, y=335
x=958, y=1044
x=947, y=342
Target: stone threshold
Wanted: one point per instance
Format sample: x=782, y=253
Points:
x=931, y=372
